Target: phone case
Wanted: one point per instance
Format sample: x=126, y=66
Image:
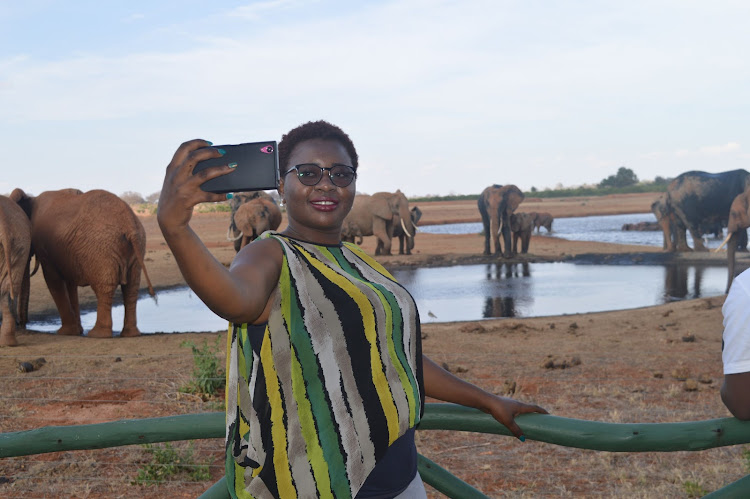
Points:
x=257, y=168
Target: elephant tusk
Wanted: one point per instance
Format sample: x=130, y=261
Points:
x=723, y=242
x=229, y=238
x=406, y=231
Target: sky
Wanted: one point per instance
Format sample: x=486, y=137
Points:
x=439, y=97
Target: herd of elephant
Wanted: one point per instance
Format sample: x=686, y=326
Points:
x=704, y=203
x=95, y=239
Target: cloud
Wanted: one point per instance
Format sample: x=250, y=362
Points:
x=729, y=147
x=258, y=10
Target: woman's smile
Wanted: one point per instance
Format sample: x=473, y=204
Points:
x=324, y=204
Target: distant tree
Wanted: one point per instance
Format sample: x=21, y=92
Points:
x=131, y=197
x=533, y=189
x=623, y=178
x=659, y=180
x=153, y=197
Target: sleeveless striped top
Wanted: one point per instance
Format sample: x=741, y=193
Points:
x=315, y=397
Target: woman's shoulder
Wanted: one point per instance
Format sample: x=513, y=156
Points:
x=261, y=251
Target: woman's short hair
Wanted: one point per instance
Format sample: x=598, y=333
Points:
x=314, y=130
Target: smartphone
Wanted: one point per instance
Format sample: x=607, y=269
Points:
x=257, y=168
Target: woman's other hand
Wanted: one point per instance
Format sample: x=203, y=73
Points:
x=181, y=190
x=442, y=385
x=505, y=410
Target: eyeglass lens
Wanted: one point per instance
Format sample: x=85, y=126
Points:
x=340, y=175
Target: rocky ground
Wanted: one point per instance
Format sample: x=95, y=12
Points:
x=655, y=364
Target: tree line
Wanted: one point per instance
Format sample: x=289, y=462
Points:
x=624, y=181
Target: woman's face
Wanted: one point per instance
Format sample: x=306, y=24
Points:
x=316, y=212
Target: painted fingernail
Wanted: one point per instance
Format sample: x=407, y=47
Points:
x=230, y=195
x=232, y=165
x=522, y=438
x=222, y=151
x=209, y=142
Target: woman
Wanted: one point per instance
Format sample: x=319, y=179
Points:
x=325, y=380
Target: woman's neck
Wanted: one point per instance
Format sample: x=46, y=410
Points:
x=313, y=236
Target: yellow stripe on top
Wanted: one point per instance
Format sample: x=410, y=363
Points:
x=391, y=346
x=278, y=434
x=370, y=261
x=368, y=321
x=309, y=433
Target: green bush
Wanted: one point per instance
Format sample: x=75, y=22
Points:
x=208, y=375
x=694, y=489
x=167, y=463
x=221, y=206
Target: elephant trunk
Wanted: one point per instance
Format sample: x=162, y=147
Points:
x=406, y=231
x=731, y=249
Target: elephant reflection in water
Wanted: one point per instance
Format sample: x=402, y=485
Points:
x=676, y=282
x=505, y=306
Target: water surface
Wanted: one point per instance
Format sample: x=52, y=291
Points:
x=605, y=229
x=472, y=292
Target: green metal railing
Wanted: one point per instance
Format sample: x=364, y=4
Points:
x=582, y=434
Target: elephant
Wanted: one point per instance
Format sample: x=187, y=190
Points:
x=521, y=226
x=255, y=217
x=672, y=239
x=398, y=232
x=545, y=220
x=699, y=198
x=87, y=239
x=739, y=221
x=15, y=244
x=234, y=234
x=376, y=215
x=496, y=204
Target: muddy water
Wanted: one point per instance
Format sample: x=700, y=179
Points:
x=605, y=229
x=473, y=292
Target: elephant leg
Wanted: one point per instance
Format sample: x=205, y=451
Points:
x=525, y=242
x=130, y=299
x=506, y=238
x=24, y=296
x=69, y=318
x=104, y=296
x=380, y=231
x=697, y=240
x=742, y=241
x=401, y=245
x=495, y=233
x=8, y=326
x=680, y=239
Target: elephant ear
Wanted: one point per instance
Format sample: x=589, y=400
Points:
x=22, y=199
x=514, y=198
x=381, y=208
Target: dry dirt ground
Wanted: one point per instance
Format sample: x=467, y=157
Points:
x=656, y=364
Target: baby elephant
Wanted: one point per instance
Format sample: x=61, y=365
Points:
x=522, y=225
x=255, y=217
x=15, y=245
x=87, y=239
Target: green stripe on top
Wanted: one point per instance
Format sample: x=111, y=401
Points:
x=344, y=264
x=396, y=350
x=317, y=402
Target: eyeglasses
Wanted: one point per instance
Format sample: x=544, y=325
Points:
x=310, y=174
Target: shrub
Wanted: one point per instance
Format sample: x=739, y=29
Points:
x=167, y=462
x=208, y=376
